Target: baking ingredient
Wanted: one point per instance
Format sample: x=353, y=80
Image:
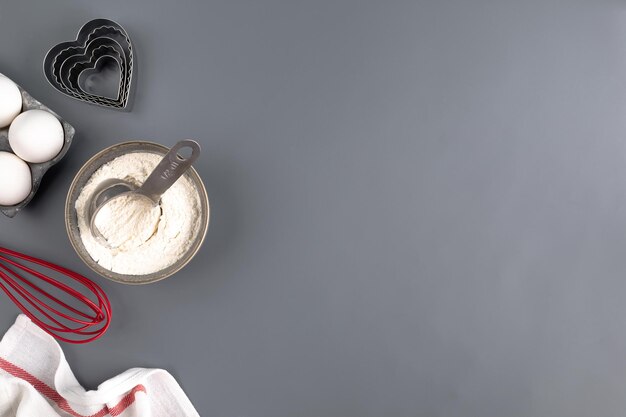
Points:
x=10, y=101
x=128, y=220
x=15, y=179
x=36, y=136
x=139, y=243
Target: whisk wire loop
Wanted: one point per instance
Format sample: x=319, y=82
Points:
x=55, y=316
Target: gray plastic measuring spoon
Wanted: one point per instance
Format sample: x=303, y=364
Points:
x=166, y=173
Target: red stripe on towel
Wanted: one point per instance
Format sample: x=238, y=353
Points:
x=61, y=402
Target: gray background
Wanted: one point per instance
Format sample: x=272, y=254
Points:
x=418, y=208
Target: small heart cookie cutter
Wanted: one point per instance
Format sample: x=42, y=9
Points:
x=76, y=66
x=96, y=49
x=67, y=64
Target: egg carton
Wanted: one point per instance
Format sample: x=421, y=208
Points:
x=98, y=40
x=37, y=170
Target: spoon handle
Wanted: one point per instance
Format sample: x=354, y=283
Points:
x=169, y=170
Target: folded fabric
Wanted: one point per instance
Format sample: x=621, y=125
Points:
x=36, y=380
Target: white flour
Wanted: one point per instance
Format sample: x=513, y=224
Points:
x=144, y=239
x=128, y=221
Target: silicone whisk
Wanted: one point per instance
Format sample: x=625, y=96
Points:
x=76, y=313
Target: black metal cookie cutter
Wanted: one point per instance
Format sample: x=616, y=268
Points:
x=73, y=67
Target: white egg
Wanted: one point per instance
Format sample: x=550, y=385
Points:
x=15, y=179
x=10, y=101
x=36, y=136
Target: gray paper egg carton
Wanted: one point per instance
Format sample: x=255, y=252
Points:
x=37, y=170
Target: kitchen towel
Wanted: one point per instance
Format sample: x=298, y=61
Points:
x=36, y=380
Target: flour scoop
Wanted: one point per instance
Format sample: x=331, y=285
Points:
x=166, y=173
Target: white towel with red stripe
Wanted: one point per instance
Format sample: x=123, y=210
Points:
x=35, y=380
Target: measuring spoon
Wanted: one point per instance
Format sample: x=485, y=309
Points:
x=166, y=173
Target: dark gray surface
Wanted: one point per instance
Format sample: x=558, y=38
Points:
x=419, y=208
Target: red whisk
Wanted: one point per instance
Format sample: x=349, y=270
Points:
x=62, y=311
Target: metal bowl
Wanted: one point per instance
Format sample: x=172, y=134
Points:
x=71, y=221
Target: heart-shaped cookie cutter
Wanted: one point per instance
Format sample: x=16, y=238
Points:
x=75, y=66
x=91, y=98
x=94, y=50
x=99, y=36
x=66, y=64
x=102, y=32
x=82, y=70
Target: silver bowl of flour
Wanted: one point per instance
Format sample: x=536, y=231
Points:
x=177, y=237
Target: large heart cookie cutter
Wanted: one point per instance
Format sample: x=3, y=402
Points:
x=99, y=36
x=67, y=64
